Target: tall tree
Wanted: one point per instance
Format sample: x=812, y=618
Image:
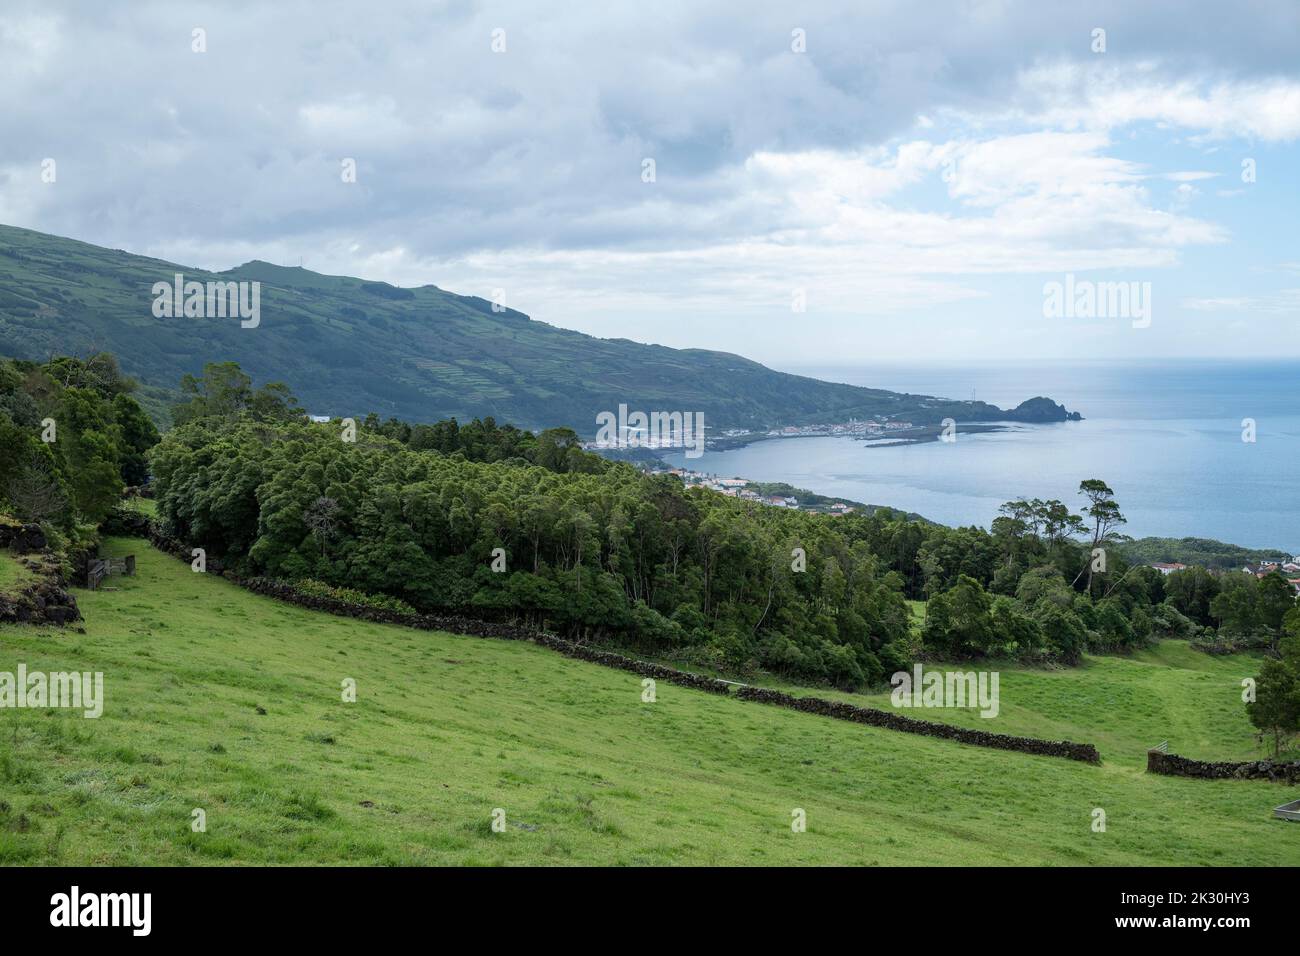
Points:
x=1106, y=518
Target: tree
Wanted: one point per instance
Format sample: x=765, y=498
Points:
x=99, y=373
x=1062, y=630
x=220, y=392
x=1274, y=599
x=1191, y=592
x=321, y=517
x=1016, y=631
x=1276, y=707
x=1106, y=517
x=958, y=621
x=139, y=434
x=1059, y=523
x=36, y=491
x=1235, y=606
x=224, y=390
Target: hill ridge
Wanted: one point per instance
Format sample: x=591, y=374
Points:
x=347, y=346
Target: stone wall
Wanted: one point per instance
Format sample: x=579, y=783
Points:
x=44, y=601
x=893, y=721
x=458, y=624
x=22, y=539
x=1172, y=765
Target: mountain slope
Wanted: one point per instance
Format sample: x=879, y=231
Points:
x=347, y=346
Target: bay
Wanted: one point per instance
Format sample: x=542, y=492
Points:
x=1167, y=437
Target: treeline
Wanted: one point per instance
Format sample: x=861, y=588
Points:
x=610, y=553
x=556, y=449
x=501, y=522
x=1232, y=606
x=71, y=438
x=506, y=524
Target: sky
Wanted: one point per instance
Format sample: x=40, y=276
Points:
x=801, y=183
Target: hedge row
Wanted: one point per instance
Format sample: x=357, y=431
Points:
x=1172, y=765
x=911, y=725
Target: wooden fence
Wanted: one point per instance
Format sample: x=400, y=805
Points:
x=101, y=568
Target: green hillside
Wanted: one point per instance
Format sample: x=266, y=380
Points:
x=1167, y=692
x=220, y=700
x=347, y=347
x=1205, y=552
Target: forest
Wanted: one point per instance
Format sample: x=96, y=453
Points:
x=509, y=524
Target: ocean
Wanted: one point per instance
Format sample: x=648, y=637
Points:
x=1167, y=437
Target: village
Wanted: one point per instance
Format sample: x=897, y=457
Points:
x=1288, y=569
x=853, y=428
x=663, y=438
x=747, y=490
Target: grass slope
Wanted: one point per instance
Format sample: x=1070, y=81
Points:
x=12, y=574
x=446, y=728
x=1122, y=704
x=348, y=347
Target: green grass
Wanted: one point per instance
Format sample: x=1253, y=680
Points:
x=1124, y=705
x=144, y=506
x=447, y=728
x=918, y=614
x=12, y=574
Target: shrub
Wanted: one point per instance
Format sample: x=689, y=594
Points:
x=350, y=596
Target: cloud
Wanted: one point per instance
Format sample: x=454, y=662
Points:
x=1070, y=94
x=901, y=163
x=1282, y=302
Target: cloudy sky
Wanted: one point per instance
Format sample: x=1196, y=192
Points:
x=913, y=173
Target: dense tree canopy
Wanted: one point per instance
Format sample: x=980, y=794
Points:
x=500, y=522
x=597, y=550
x=71, y=437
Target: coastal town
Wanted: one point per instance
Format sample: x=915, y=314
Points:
x=853, y=428
x=669, y=438
x=747, y=490
x=1288, y=569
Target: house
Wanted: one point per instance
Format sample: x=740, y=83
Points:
x=1164, y=568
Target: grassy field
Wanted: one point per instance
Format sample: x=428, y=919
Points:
x=221, y=700
x=1124, y=705
x=144, y=506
